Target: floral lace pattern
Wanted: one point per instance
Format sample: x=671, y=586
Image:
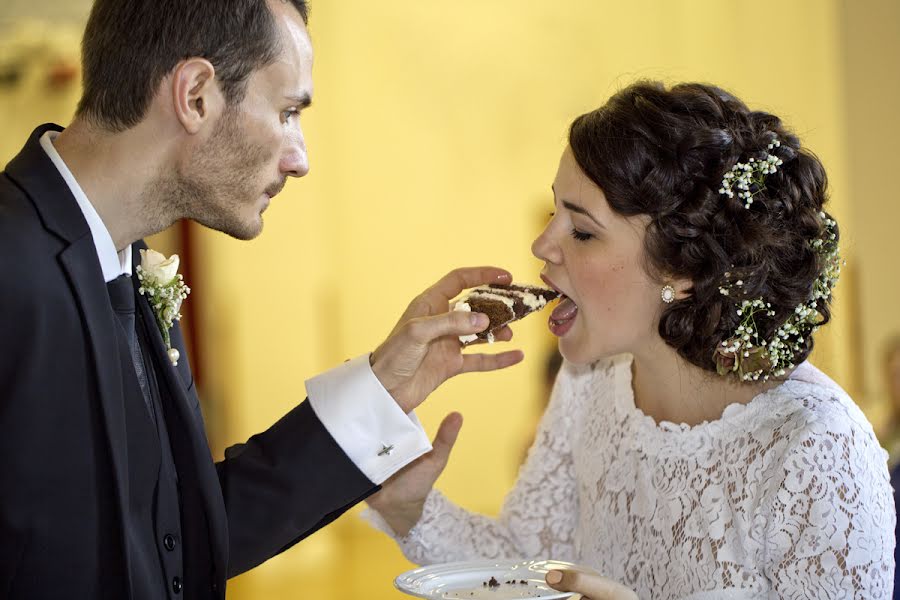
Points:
x=787, y=496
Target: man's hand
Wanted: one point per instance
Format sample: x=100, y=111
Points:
x=589, y=585
x=402, y=497
x=423, y=350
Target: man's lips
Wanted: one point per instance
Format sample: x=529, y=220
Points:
x=274, y=190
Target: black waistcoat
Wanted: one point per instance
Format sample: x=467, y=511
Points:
x=153, y=513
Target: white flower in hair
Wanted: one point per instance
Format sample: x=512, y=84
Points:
x=750, y=356
x=743, y=175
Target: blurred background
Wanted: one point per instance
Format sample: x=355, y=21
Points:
x=434, y=137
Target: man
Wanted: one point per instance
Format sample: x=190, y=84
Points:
x=191, y=109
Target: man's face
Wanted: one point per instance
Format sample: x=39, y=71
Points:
x=256, y=144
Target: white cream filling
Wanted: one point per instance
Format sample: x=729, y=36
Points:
x=529, y=299
x=479, y=293
x=464, y=307
x=533, y=301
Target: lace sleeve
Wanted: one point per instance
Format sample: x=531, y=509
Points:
x=830, y=525
x=538, y=516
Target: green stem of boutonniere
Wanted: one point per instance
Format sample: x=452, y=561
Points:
x=165, y=299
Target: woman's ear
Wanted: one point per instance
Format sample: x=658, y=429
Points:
x=684, y=288
x=676, y=288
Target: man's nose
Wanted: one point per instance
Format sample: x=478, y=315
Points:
x=295, y=160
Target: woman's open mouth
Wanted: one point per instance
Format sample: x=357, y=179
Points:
x=563, y=316
x=564, y=313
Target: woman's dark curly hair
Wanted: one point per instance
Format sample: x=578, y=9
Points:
x=663, y=153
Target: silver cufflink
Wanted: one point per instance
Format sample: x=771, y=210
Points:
x=386, y=450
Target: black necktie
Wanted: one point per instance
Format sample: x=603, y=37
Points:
x=121, y=296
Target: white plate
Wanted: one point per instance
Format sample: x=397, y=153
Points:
x=466, y=580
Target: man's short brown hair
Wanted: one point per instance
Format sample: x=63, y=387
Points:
x=129, y=46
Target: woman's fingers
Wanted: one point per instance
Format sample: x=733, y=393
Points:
x=589, y=585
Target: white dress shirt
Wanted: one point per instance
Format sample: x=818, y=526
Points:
x=350, y=401
x=112, y=262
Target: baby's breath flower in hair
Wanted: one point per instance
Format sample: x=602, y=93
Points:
x=751, y=357
x=748, y=177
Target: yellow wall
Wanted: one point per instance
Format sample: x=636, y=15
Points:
x=434, y=136
x=871, y=61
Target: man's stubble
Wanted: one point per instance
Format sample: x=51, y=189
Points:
x=217, y=187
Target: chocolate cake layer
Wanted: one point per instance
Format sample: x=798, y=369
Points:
x=503, y=304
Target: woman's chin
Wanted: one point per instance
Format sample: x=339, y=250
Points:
x=573, y=351
x=577, y=349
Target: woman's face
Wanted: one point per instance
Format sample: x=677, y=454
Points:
x=594, y=257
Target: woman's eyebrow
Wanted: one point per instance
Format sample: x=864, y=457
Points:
x=582, y=211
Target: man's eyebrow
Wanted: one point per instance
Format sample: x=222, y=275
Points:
x=303, y=101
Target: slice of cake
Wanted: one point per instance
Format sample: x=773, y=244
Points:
x=503, y=304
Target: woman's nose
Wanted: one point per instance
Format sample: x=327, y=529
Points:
x=544, y=246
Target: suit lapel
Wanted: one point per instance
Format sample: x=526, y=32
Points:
x=90, y=292
x=175, y=383
x=33, y=170
x=35, y=173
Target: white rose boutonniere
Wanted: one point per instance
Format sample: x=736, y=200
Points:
x=165, y=289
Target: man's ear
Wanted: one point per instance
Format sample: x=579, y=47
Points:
x=196, y=97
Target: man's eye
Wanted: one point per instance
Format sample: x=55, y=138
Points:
x=288, y=115
x=580, y=235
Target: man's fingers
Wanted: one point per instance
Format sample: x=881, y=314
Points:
x=455, y=322
x=491, y=362
x=454, y=282
x=591, y=586
x=504, y=334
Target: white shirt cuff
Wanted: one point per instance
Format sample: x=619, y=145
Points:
x=365, y=420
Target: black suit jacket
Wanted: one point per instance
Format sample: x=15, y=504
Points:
x=63, y=455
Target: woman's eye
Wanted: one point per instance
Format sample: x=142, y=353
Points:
x=580, y=235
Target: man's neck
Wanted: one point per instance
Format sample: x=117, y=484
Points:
x=116, y=171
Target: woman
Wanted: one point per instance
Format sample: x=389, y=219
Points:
x=688, y=448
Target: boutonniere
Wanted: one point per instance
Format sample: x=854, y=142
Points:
x=166, y=290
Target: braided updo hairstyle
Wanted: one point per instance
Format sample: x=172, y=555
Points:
x=663, y=153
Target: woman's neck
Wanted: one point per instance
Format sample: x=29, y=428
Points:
x=668, y=388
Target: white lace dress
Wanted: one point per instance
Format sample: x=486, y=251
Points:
x=787, y=496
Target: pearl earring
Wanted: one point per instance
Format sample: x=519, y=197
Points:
x=668, y=294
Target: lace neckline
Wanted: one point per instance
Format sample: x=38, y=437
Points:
x=735, y=415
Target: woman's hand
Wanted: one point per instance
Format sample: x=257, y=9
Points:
x=402, y=497
x=589, y=585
